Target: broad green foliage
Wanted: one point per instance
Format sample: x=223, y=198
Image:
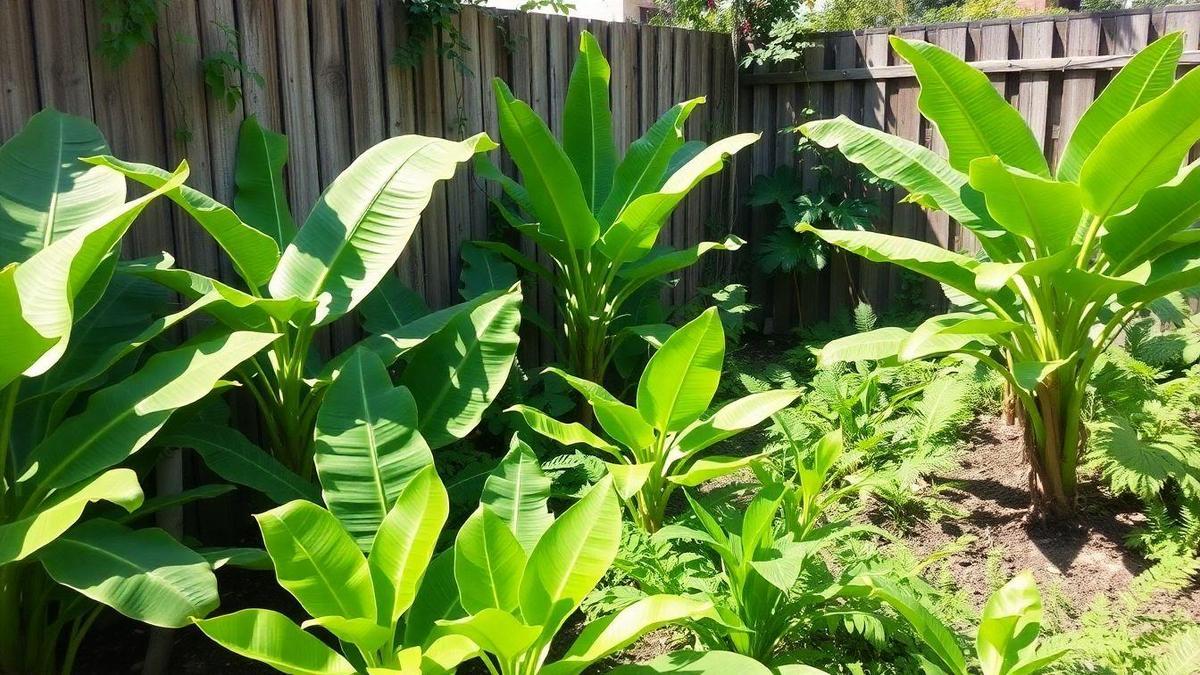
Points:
x=521, y=573
x=79, y=397
x=1071, y=257
x=597, y=217
x=362, y=600
x=774, y=579
x=296, y=281
x=658, y=445
x=502, y=593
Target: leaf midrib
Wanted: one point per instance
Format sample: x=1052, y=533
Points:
x=345, y=242
x=317, y=569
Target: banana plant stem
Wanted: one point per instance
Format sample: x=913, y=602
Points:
x=8, y=406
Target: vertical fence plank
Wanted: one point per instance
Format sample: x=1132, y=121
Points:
x=62, y=71
x=18, y=81
x=259, y=51
x=129, y=105
x=843, y=268
x=905, y=123
x=875, y=53
x=298, y=109
x=186, y=119
x=330, y=87
x=401, y=118
x=1037, y=41
x=1079, y=88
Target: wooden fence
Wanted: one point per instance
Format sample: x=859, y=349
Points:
x=325, y=78
x=1049, y=68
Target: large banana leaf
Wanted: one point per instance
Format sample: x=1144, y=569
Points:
x=22, y=537
x=620, y=629
x=1009, y=625
x=571, y=557
x=1039, y=209
x=456, y=373
x=405, y=543
x=364, y=219
x=947, y=267
x=1170, y=272
x=991, y=276
x=619, y=420
x=1166, y=210
x=587, y=122
x=645, y=162
x=234, y=308
x=271, y=638
x=143, y=574
x=261, y=200
x=24, y=345
x=121, y=418
x=124, y=321
x=664, y=260
x=733, y=418
x=48, y=282
x=519, y=493
x=951, y=332
x=972, y=117
x=317, y=562
x=929, y=179
x=681, y=378
x=232, y=456
x=436, y=599
x=1143, y=150
x=45, y=191
x=563, y=433
x=1147, y=75
x=875, y=345
x=254, y=254
x=367, y=445
x=638, y=225
x=392, y=344
x=390, y=306
x=495, y=631
x=488, y=563
x=553, y=184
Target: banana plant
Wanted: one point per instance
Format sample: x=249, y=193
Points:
x=382, y=498
x=1006, y=641
x=595, y=217
x=657, y=446
x=1069, y=257
x=777, y=541
x=363, y=601
x=345, y=248
x=79, y=397
x=521, y=573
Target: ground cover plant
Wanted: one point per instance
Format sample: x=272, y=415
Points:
x=1070, y=257
x=658, y=444
x=596, y=217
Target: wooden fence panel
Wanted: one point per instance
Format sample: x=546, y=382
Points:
x=1049, y=68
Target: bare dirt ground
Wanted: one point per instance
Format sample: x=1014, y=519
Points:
x=1077, y=561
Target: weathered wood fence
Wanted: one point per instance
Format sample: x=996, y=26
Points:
x=327, y=81
x=1050, y=69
